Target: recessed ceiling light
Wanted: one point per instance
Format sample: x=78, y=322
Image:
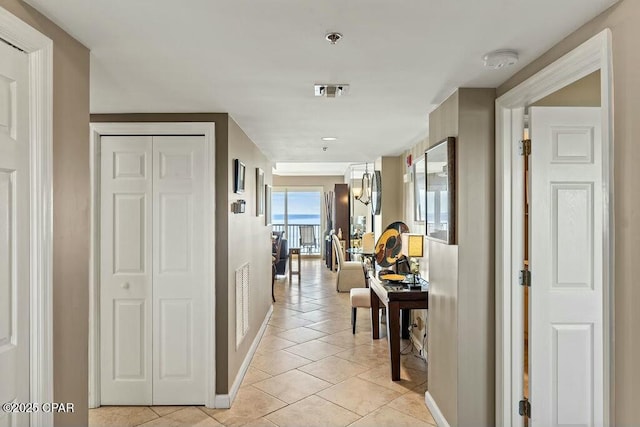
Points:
x=329, y=138
x=330, y=90
x=500, y=59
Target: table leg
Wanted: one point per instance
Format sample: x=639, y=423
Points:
x=299, y=268
x=375, y=315
x=393, y=335
x=406, y=321
x=273, y=281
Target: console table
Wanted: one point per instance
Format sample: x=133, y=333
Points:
x=396, y=298
x=292, y=252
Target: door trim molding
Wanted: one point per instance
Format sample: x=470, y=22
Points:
x=170, y=128
x=39, y=48
x=592, y=55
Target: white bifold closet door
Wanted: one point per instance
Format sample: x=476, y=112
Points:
x=152, y=270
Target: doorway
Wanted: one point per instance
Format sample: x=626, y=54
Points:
x=152, y=290
x=556, y=258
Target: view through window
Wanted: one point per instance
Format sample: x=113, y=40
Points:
x=298, y=212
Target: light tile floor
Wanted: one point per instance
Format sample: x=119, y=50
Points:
x=309, y=370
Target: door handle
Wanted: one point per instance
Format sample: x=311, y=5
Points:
x=125, y=285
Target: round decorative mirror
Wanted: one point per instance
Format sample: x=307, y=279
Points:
x=376, y=192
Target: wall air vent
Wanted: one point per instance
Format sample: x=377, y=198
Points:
x=330, y=90
x=242, y=303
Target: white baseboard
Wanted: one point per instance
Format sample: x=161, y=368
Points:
x=439, y=418
x=225, y=400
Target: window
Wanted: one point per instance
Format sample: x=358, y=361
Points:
x=293, y=207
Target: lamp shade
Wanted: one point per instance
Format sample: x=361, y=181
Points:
x=412, y=245
x=368, y=243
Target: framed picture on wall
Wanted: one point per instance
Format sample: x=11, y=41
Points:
x=267, y=204
x=440, y=201
x=239, y=176
x=260, y=195
x=419, y=191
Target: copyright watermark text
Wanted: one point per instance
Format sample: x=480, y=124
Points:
x=30, y=408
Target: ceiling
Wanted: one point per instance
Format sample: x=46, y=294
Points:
x=259, y=60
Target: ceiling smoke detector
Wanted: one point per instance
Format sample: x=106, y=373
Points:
x=330, y=90
x=500, y=59
x=333, y=38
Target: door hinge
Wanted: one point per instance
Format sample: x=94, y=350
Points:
x=525, y=278
x=525, y=147
x=524, y=408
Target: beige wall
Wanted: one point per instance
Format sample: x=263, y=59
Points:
x=581, y=93
x=326, y=182
x=70, y=213
x=622, y=19
x=442, y=342
x=476, y=260
x=238, y=236
x=249, y=241
x=461, y=325
x=391, y=171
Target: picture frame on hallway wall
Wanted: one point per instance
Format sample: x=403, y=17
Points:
x=260, y=195
x=239, y=172
x=267, y=204
x=440, y=194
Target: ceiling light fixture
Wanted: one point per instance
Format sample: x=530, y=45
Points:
x=500, y=59
x=333, y=37
x=365, y=188
x=329, y=138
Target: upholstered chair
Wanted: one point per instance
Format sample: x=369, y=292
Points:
x=349, y=272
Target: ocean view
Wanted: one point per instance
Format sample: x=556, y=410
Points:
x=297, y=219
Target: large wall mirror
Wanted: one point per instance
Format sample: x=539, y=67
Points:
x=441, y=191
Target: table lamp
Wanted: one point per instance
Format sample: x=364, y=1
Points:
x=368, y=243
x=412, y=248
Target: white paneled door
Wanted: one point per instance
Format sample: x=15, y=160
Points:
x=152, y=270
x=14, y=232
x=178, y=270
x=566, y=263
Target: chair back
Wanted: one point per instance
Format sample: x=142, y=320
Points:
x=338, y=250
x=307, y=235
x=276, y=246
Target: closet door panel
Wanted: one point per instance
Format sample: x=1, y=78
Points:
x=178, y=270
x=125, y=274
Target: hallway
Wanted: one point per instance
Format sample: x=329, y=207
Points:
x=309, y=370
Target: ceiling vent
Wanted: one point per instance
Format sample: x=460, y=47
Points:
x=331, y=90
